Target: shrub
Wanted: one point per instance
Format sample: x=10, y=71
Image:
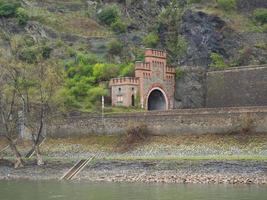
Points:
x=260, y=15
x=135, y=134
x=217, y=61
x=227, y=5
x=115, y=47
x=127, y=70
x=46, y=51
x=179, y=73
x=151, y=40
x=118, y=26
x=177, y=45
x=8, y=9
x=29, y=54
x=109, y=14
x=22, y=16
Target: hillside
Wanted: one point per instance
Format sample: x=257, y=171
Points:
x=80, y=34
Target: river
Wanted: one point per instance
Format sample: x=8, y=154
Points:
x=45, y=190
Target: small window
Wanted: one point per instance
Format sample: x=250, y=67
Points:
x=119, y=89
x=132, y=88
x=120, y=99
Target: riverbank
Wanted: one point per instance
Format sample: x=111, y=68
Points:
x=211, y=158
x=147, y=171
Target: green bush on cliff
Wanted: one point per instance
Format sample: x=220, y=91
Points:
x=8, y=8
x=179, y=73
x=22, y=16
x=115, y=47
x=151, y=40
x=118, y=26
x=217, y=61
x=109, y=14
x=260, y=15
x=227, y=5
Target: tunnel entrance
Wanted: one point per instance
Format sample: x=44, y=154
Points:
x=156, y=101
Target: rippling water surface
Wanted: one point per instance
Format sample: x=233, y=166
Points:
x=44, y=190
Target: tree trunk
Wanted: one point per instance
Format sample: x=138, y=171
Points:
x=19, y=162
x=39, y=157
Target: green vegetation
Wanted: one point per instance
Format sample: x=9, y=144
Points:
x=118, y=26
x=170, y=18
x=178, y=46
x=86, y=80
x=8, y=8
x=109, y=14
x=151, y=40
x=115, y=47
x=179, y=73
x=227, y=5
x=260, y=15
x=22, y=16
x=217, y=61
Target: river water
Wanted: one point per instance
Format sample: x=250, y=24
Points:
x=45, y=190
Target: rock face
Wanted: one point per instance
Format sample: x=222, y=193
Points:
x=206, y=34
x=190, y=90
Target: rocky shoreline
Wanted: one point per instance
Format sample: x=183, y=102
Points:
x=197, y=172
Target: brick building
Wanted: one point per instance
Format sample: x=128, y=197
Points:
x=152, y=87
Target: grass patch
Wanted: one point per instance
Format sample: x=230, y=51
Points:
x=70, y=22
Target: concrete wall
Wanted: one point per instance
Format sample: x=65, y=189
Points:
x=196, y=121
x=246, y=86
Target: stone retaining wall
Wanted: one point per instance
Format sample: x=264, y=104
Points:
x=242, y=86
x=187, y=121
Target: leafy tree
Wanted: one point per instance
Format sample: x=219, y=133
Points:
x=104, y=72
x=127, y=70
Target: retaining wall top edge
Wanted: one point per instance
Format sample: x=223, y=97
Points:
x=198, y=111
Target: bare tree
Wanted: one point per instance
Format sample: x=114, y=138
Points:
x=9, y=108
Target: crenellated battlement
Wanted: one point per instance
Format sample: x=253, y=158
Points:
x=124, y=81
x=155, y=53
x=170, y=70
x=139, y=65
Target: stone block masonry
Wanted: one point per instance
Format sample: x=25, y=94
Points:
x=242, y=86
x=173, y=122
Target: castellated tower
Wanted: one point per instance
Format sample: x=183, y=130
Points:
x=153, y=84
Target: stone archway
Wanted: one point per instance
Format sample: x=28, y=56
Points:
x=157, y=100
